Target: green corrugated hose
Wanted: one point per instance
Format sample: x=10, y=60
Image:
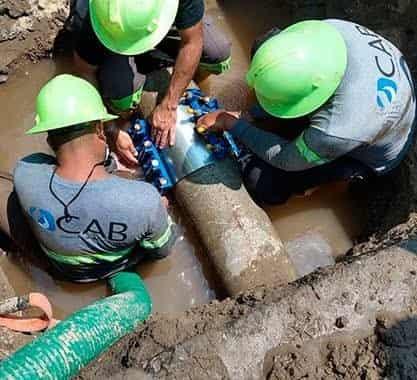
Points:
x=61, y=352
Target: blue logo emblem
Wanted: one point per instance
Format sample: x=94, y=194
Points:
x=44, y=218
x=387, y=90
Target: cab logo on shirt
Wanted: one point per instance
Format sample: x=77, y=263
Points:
x=43, y=218
x=386, y=65
x=387, y=90
x=70, y=225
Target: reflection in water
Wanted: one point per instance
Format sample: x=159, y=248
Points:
x=175, y=283
x=243, y=22
x=17, y=109
x=328, y=216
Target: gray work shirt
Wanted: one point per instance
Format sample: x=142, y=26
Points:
x=107, y=219
x=370, y=117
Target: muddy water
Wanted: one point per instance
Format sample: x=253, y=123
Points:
x=315, y=229
x=175, y=284
x=242, y=22
x=328, y=216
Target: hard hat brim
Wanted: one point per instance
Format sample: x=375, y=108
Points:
x=322, y=91
x=45, y=127
x=305, y=107
x=143, y=45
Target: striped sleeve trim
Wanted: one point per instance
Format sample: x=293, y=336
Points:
x=159, y=242
x=308, y=154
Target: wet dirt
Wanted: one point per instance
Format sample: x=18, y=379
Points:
x=387, y=354
x=356, y=317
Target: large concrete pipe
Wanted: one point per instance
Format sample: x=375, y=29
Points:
x=238, y=235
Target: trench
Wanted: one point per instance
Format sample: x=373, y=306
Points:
x=315, y=229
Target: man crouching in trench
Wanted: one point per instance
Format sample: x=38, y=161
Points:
x=89, y=224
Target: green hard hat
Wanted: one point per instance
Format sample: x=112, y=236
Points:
x=68, y=100
x=132, y=27
x=298, y=70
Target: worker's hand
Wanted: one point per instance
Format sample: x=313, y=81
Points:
x=217, y=121
x=163, y=120
x=125, y=149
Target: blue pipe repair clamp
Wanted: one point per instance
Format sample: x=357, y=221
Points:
x=164, y=168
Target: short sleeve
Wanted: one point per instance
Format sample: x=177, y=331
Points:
x=159, y=235
x=87, y=45
x=190, y=12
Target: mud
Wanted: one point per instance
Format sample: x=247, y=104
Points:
x=9, y=341
x=239, y=339
x=28, y=30
x=388, y=353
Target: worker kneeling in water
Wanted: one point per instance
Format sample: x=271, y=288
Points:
x=90, y=224
x=356, y=91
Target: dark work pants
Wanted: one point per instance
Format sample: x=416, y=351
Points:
x=216, y=50
x=269, y=185
x=131, y=71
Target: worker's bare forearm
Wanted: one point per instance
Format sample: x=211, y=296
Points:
x=186, y=64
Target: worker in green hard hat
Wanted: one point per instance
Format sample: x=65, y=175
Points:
x=89, y=223
x=118, y=41
x=348, y=87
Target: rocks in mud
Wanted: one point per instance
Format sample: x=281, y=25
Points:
x=28, y=29
x=390, y=353
x=4, y=75
x=15, y=8
x=313, y=328
x=341, y=322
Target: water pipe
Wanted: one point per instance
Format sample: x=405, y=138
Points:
x=60, y=353
x=164, y=168
x=239, y=238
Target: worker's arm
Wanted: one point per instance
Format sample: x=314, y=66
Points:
x=83, y=69
x=160, y=237
x=312, y=148
x=164, y=117
x=121, y=143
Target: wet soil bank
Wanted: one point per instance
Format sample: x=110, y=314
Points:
x=355, y=318
x=29, y=30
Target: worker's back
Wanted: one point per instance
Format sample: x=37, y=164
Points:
x=102, y=224
x=375, y=103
